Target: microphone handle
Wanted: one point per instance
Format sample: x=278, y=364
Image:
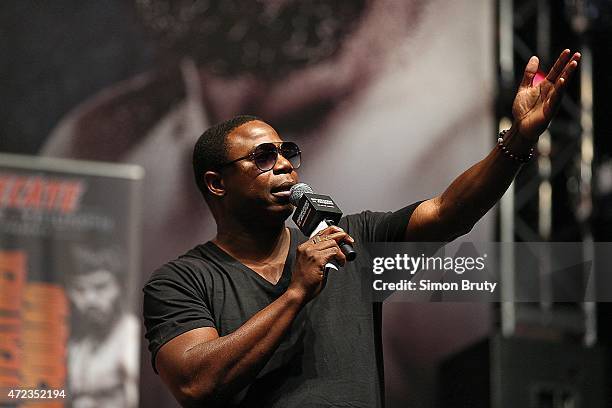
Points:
x=348, y=251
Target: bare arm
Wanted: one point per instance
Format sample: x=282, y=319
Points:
x=202, y=368
x=464, y=202
x=474, y=192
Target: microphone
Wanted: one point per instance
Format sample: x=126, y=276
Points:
x=315, y=212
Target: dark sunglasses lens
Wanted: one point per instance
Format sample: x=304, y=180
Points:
x=291, y=152
x=265, y=157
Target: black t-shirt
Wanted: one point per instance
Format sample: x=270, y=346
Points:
x=332, y=354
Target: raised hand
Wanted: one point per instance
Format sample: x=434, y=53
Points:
x=535, y=104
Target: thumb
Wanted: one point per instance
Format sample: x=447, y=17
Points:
x=530, y=71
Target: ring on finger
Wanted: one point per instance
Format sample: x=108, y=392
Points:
x=319, y=238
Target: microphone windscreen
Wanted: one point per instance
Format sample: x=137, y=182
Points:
x=297, y=191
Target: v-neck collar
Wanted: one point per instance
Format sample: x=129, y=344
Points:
x=285, y=278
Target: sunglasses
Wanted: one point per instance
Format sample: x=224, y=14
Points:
x=265, y=155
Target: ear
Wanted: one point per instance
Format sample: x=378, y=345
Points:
x=214, y=183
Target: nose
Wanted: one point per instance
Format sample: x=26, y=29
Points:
x=282, y=165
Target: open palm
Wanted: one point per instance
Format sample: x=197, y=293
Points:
x=535, y=105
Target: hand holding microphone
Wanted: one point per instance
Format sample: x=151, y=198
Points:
x=309, y=274
x=313, y=214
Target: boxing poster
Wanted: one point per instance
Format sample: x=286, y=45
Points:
x=69, y=268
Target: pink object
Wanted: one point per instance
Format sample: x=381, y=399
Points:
x=539, y=77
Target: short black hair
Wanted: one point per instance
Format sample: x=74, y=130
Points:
x=210, y=151
x=91, y=258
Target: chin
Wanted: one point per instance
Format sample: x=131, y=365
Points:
x=268, y=211
x=280, y=210
x=283, y=210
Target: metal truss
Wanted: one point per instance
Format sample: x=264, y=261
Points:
x=551, y=198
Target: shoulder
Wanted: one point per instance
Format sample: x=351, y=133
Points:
x=109, y=122
x=129, y=323
x=361, y=225
x=189, y=269
x=378, y=226
x=126, y=330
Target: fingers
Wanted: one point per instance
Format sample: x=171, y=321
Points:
x=559, y=74
x=334, y=233
x=556, y=70
x=569, y=69
x=334, y=239
x=322, y=252
x=335, y=253
x=327, y=243
x=530, y=71
x=559, y=85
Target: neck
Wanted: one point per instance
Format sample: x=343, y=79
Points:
x=254, y=243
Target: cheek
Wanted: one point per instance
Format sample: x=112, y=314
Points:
x=109, y=295
x=255, y=193
x=249, y=188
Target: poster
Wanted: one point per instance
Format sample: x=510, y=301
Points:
x=69, y=268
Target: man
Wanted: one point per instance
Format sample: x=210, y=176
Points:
x=247, y=319
x=103, y=348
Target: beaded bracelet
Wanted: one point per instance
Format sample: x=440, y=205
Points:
x=504, y=149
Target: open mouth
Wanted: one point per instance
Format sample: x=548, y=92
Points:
x=283, y=190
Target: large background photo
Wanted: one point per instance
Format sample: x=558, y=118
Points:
x=388, y=99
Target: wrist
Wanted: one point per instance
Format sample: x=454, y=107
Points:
x=526, y=133
x=515, y=146
x=522, y=143
x=295, y=296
